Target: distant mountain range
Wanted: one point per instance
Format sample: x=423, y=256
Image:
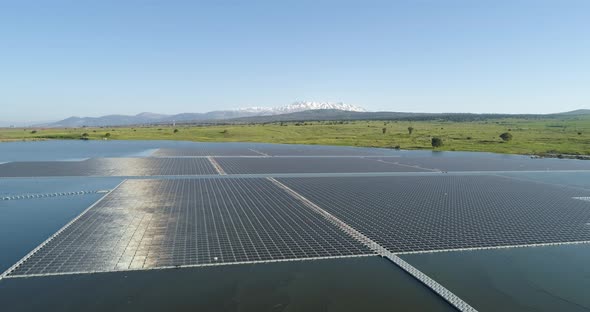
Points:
x=338, y=115
x=299, y=111
x=577, y=112
x=151, y=118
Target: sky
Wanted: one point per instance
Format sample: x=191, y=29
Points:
x=91, y=58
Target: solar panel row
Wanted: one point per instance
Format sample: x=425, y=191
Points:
x=109, y=167
x=221, y=150
x=509, y=163
x=159, y=223
x=413, y=213
x=204, y=149
x=277, y=165
x=308, y=165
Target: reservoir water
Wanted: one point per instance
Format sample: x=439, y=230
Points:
x=554, y=278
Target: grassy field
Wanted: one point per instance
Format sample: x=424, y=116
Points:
x=569, y=135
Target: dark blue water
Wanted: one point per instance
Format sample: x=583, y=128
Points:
x=72, y=150
x=49, y=185
x=340, y=285
x=527, y=279
x=76, y=150
x=25, y=223
x=555, y=278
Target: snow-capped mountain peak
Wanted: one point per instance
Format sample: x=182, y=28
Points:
x=151, y=118
x=302, y=106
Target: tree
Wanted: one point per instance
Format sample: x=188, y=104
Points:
x=175, y=130
x=384, y=130
x=436, y=142
x=410, y=130
x=506, y=136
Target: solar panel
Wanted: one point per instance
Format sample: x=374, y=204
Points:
x=422, y=213
x=207, y=150
x=161, y=223
x=321, y=150
x=509, y=163
x=239, y=165
x=109, y=167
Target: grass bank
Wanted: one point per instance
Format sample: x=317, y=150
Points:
x=569, y=136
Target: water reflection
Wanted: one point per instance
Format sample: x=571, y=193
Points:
x=555, y=278
x=359, y=284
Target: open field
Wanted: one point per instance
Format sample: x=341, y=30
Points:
x=568, y=135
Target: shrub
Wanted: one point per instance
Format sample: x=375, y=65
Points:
x=506, y=136
x=384, y=130
x=34, y=131
x=107, y=135
x=175, y=130
x=436, y=142
x=410, y=130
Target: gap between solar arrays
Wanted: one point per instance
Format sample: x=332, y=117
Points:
x=45, y=195
x=404, y=165
x=216, y=165
x=493, y=247
x=259, y=152
x=440, y=290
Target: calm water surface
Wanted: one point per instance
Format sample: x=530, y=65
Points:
x=25, y=223
x=355, y=284
x=555, y=278
x=526, y=279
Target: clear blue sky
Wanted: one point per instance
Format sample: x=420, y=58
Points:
x=89, y=58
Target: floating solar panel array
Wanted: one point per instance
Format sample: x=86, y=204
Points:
x=146, y=224
x=475, y=163
x=217, y=150
x=241, y=165
x=419, y=213
x=110, y=167
x=320, y=150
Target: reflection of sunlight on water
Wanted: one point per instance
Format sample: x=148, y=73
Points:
x=136, y=205
x=146, y=153
x=49, y=185
x=123, y=166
